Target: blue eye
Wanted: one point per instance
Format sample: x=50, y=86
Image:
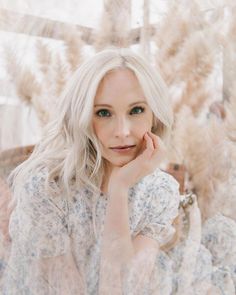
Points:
x=137, y=110
x=103, y=113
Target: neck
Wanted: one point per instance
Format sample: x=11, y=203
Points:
x=106, y=177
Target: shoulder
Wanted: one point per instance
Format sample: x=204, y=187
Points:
x=161, y=192
x=159, y=181
x=158, y=190
x=34, y=181
x=38, y=195
x=34, y=186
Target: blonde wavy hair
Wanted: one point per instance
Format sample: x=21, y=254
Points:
x=69, y=149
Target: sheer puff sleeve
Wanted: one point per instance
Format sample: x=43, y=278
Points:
x=40, y=260
x=161, y=207
x=38, y=224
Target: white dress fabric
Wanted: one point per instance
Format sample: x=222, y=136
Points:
x=54, y=249
x=42, y=228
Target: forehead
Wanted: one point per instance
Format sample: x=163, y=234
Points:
x=118, y=83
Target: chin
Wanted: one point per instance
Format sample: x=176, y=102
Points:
x=120, y=163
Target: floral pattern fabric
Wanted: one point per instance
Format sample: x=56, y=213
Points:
x=42, y=227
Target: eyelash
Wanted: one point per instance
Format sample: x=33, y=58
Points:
x=141, y=108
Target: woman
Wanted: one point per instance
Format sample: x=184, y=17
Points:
x=92, y=208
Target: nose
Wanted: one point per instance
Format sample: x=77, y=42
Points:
x=122, y=128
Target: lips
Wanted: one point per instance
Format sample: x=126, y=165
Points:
x=122, y=147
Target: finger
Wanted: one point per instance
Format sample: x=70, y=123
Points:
x=149, y=142
x=155, y=139
x=158, y=142
x=148, y=151
x=159, y=153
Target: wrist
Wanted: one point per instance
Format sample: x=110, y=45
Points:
x=117, y=187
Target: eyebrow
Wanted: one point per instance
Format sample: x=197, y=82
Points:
x=109, y=106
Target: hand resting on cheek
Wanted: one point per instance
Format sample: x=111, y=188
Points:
x=145, y=163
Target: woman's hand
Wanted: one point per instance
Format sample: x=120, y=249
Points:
x=142, y=165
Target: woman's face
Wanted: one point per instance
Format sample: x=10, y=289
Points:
x=121, y=117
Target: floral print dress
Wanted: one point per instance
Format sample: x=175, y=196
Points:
x=42, y=228
x=55, y=250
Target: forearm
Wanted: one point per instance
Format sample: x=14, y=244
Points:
x=122, y=268
x=117, y=235
x=117, y=245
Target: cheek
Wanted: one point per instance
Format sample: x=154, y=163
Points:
x=142, y=126
x=100, y=131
